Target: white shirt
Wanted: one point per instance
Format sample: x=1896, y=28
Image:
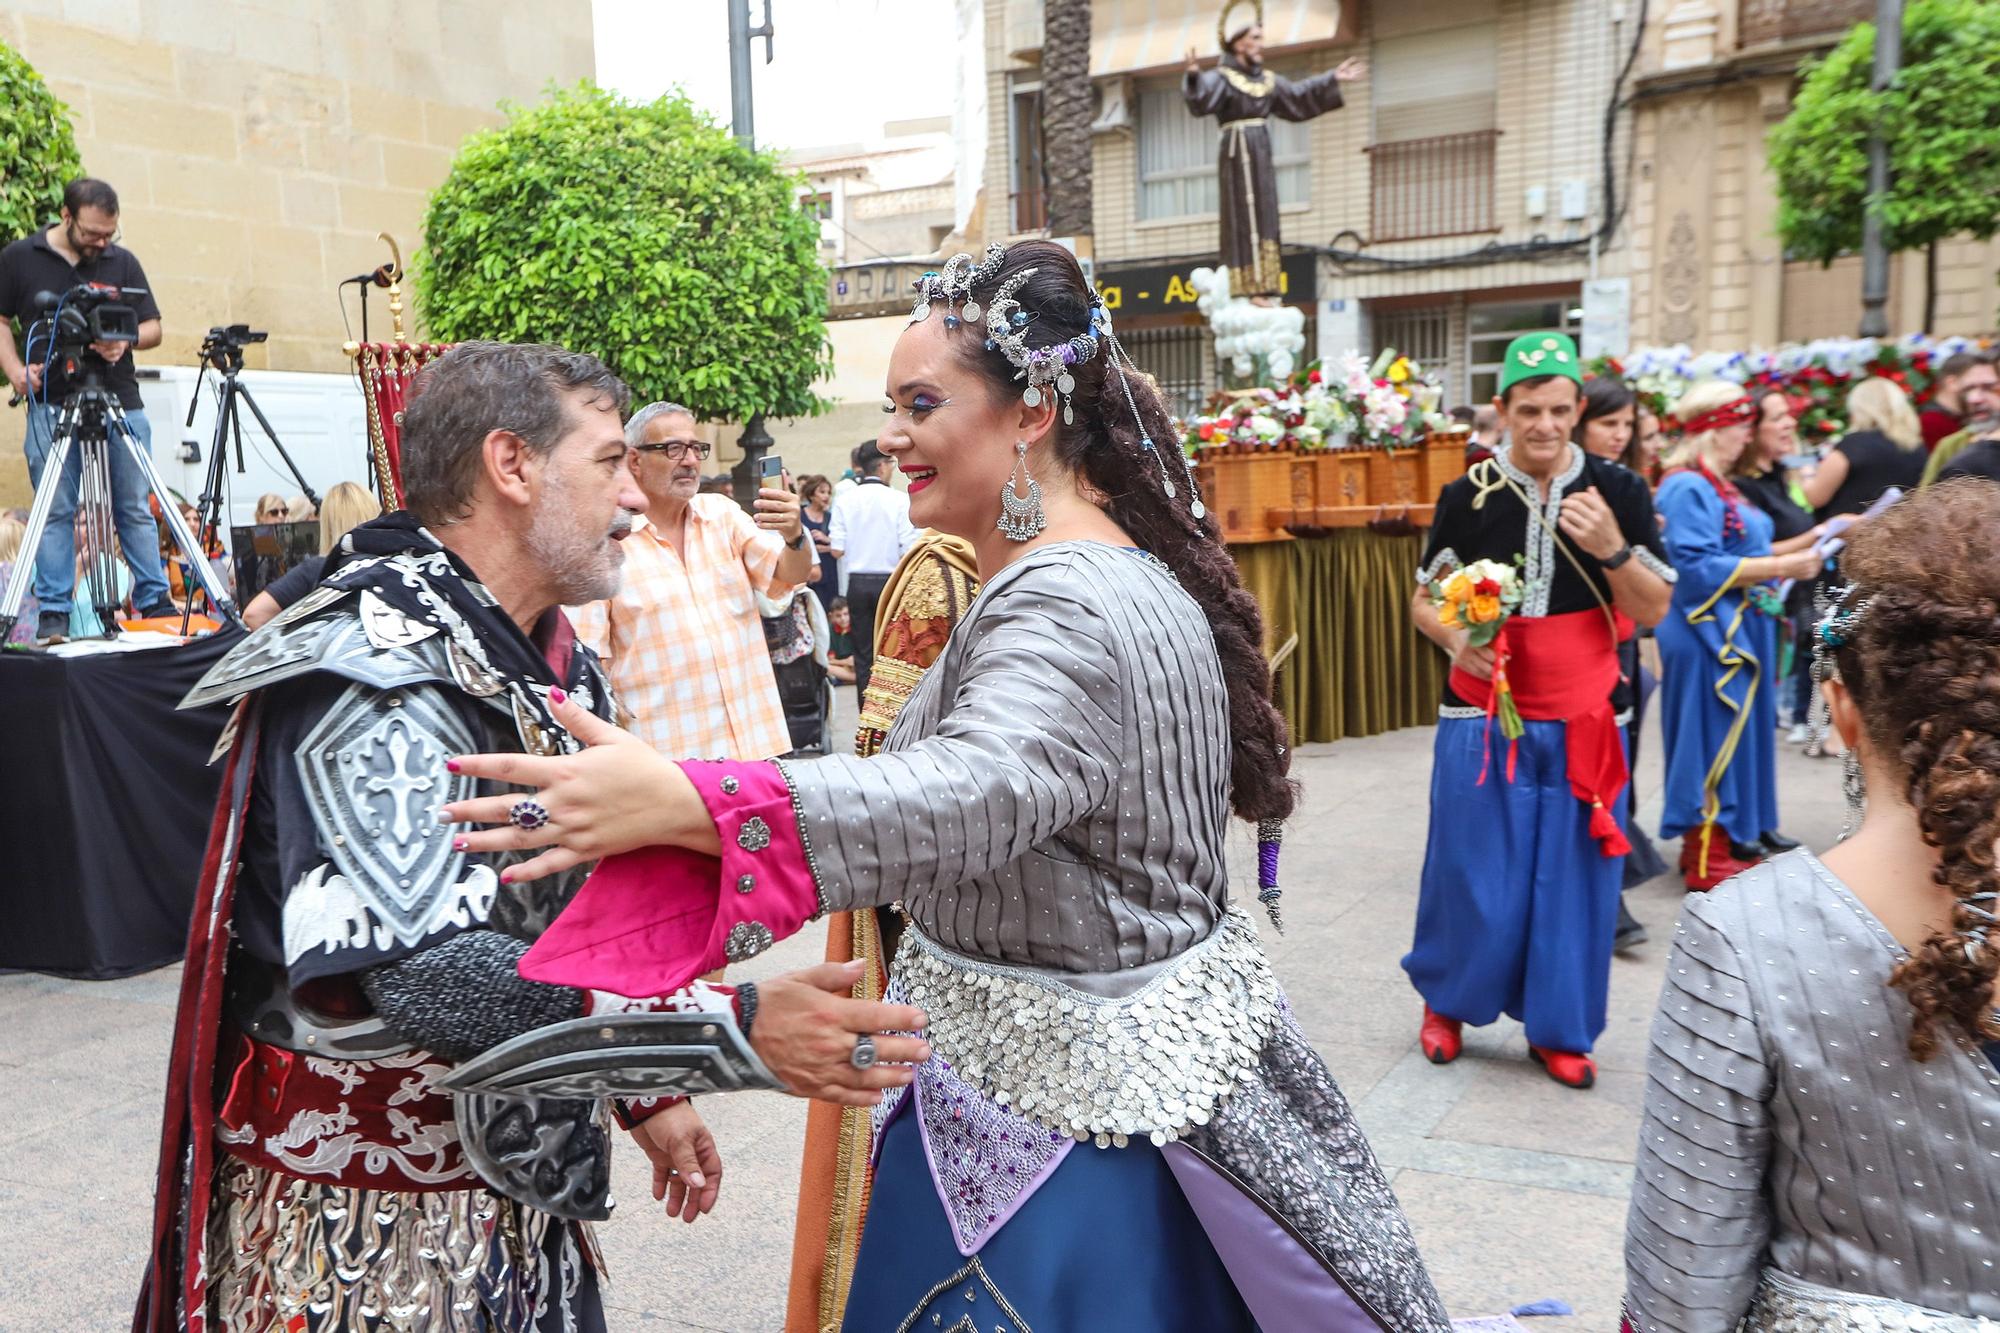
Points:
x=871, y=528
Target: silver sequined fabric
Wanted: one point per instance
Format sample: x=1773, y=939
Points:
x=1055, y=793
x=1288, y=1135
x=1156, y=1062
x=1787, y=1124
x=389, y=1261
x=1786, y=1305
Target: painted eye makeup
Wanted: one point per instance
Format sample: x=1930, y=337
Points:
x=920, y=405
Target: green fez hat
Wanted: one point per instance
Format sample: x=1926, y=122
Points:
x=1533, y=355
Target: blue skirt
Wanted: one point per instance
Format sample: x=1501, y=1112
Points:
x=1518, y=906
x=1107, y=1244
x=1695, y=723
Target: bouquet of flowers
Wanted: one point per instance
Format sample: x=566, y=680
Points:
x=1390, y=403
x=1478, y=599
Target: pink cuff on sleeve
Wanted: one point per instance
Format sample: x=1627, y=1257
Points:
x=650, y=921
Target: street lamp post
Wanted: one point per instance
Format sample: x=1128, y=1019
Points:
x=1874, y=253
x=755, y=440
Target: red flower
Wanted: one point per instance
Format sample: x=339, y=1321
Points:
x=1487, y=588
x=1312, y=377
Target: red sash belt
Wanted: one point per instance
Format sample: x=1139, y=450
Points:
x=361, y=1124
x=1562, y=669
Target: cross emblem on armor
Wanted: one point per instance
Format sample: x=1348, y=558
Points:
x=410, y=771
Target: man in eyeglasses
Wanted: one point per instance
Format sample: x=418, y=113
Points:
x=81, y=247
x=682, y=639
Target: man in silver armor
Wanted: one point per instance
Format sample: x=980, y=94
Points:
x=350, y=957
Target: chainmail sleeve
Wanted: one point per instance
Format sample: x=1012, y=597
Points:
x=1699, y=1222
x=464, y=996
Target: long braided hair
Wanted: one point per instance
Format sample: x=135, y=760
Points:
x=1922, y=660
x=1124, y=460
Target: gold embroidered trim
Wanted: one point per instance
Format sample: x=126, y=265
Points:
x=852, y=1169
x=1260, y=86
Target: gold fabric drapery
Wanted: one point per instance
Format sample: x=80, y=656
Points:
x=1360, y=667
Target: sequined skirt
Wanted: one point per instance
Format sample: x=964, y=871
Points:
x=283, y=1249
x=1784, y=1304
x=1203, y=1057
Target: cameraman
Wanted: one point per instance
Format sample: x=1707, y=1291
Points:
x=81, y=248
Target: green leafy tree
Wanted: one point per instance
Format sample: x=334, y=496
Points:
x=1937, y=118
x=644, y=234
x=37, y=148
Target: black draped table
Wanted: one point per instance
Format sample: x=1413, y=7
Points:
x=105, y=801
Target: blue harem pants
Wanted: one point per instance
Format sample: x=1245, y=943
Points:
x=1517, y=907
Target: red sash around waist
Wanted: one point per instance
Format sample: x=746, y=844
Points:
x=365, y=1124
x=1562, y=669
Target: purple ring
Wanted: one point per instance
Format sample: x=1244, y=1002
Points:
x=528, y=813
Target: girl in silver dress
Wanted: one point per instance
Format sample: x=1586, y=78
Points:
x=1821, y=1143
x=1121, y=1128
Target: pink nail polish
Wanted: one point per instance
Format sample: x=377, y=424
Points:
x=451, y=765
x=458, y=844
x=558, y=695
x=506, y=877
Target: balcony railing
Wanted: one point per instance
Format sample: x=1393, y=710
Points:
x=1762, y=21
x=1441, y=186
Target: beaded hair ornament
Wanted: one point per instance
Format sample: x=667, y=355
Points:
x=1047, y=370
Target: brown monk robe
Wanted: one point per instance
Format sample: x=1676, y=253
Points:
x=1243, y=95
x=925, y=599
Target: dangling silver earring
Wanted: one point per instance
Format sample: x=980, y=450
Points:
x=1855, y=788
x=1021, y=518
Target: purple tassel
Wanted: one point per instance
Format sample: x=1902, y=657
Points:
x=1270, y=833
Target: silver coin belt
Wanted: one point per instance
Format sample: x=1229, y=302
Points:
x=1785, y=1304
x=1155, y=1063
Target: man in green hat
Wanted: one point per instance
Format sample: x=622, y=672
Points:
x=1526, y=848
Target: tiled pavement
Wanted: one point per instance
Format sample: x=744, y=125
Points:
x=1516, y=1186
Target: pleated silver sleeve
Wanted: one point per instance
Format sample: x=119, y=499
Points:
x=1055, y=793
x=1695, y=1235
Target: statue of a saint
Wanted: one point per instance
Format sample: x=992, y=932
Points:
x=1243, y=95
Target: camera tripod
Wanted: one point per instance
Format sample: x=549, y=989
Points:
x=222, y=351
x=93, y=424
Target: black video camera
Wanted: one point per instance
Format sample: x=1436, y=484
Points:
x=223, y=347
x=90, y=312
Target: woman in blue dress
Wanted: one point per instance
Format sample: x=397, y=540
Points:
x=1719, y=644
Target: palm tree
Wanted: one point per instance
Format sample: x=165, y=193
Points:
x=1066, y=115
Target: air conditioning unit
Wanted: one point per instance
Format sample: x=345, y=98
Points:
x=1114, y=106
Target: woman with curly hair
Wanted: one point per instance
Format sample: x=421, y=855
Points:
x=1821, y=1142
x=1116, y=1124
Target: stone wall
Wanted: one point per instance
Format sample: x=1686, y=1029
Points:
x=258, y=146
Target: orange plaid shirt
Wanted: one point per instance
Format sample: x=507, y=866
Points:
x=682, y=640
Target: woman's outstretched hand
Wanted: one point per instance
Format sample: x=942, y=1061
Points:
x=806, y=1027
x=616, y=795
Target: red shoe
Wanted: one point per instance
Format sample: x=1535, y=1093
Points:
x=1440, y=1038
x=1566, y=1067
x=1721, y=865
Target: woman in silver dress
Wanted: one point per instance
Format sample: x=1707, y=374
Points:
x=1821, y=1143
x=1121, y=1127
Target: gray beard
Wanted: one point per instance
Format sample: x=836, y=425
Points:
x=573, y=560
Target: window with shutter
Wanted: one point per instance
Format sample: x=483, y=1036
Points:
x=1431, y=162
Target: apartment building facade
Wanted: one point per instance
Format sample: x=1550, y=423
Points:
x=1594, y=166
